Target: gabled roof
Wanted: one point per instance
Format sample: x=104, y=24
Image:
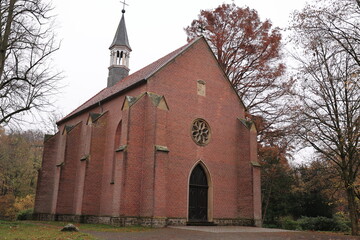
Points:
x=129, y=82
x=121, y=37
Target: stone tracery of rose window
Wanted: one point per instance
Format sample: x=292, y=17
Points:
x=200, y=132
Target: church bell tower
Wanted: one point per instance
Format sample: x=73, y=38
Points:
x=119, y=54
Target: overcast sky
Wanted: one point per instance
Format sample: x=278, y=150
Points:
x=155, y=28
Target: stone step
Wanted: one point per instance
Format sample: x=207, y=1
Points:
x=200, y=224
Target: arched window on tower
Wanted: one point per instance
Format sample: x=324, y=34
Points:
x=122, y=58
x=117, y=62
x=119, y=57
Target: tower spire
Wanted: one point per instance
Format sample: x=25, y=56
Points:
x=119, y=53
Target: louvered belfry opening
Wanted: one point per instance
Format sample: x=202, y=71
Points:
x=198, y=195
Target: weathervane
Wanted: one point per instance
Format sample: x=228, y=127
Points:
x=124, y=4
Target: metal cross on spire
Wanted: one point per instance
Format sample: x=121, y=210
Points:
x=124, y=4
x=202, y=29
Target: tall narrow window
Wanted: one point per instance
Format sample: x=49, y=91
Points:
x=117, y=142
x=118, y=135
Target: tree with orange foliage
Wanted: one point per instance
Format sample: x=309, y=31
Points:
x=20, y=159
x=249, y=51
x=276, y=175
x=276, y=184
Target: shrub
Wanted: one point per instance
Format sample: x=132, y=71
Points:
x=7, y=209
x=12, y=207
x=343, y=223
x=322, y=224
x=25, y=214
x=24, y=203
x=288, y=223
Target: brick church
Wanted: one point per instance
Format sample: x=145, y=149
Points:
x=166, y=145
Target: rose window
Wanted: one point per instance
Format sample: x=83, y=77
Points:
x=200, y=132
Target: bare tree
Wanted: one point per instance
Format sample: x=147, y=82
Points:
x=27, y=43
x=336, y=21
x=328, y=96
x=49, y=123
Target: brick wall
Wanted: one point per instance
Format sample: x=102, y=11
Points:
x=220, y=107
x=94, y=168
x=46, y=181
x=68, y=168
x=143, y=179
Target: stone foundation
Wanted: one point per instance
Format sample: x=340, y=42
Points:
x=43, y=217
x=115, y=221
x=176, y=222
x=155, y=222
x=68, y=218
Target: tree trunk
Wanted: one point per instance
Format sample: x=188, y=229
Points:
x=352, y=211
x=6, y=34
x=266, y=204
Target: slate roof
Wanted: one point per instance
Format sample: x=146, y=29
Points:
x=121, y=37
x=130, y=81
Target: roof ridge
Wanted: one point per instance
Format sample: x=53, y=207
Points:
x=170, y=55
x=129, y=81
x=180, y=49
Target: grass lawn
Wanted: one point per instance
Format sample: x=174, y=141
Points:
x=21, y=230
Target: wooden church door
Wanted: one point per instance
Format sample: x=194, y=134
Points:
x=198, y=195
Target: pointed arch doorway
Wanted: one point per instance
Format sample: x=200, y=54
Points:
x=199, y=196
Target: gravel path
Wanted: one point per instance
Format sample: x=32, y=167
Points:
x=218, y=233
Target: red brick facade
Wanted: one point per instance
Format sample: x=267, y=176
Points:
x=126, y=156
